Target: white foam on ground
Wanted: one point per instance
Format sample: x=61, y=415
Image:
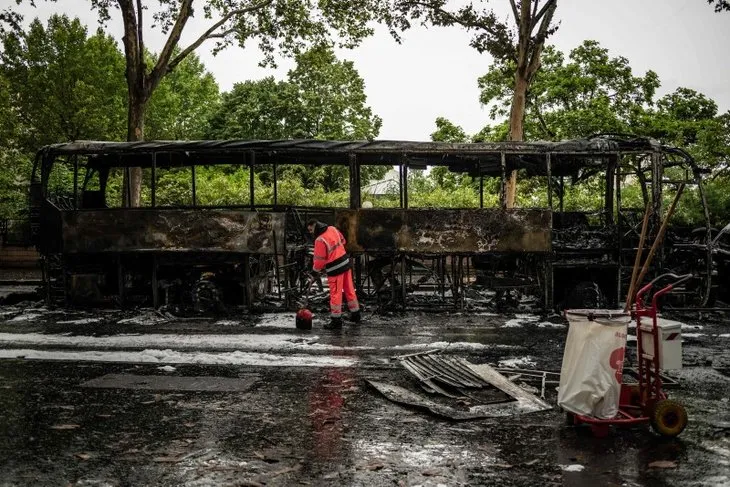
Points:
x=513, y=324
x=143, y=319
x=246, y=342
x=572, y=468
x=276, y=320
x=25, y=317
x=520, y=320
x=174, y=357
x=82, y=321
x=227, y=323
x=151, y=340
x=547, y=324
x=518, y=363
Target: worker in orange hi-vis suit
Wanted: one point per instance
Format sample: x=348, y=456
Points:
x=331, y=257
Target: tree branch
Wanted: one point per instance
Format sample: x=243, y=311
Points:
x=161, y=67
x=515, y=12
x=220, y=35
x=453, y=18
x=130, y=42
x=523, y=41
x=543, y=10
x=540, y=118
x=140, y=38
x=539, y=42
x=210, y=33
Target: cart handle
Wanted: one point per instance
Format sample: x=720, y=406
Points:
x=662, y=291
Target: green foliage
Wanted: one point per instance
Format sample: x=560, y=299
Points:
x=65, y=85
x=330, y=99
x=718, y=200
x=322, y=98
x=253, y=110
x=446, y=131
x=587, y=94
x=14, y=171
x=490, y=33
x=591, y=92
x=181, y=105
x=56, y=84
x=174, y=187
x=221, y=185
x=688, y=119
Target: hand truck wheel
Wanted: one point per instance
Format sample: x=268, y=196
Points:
x=668, y=418
x=569, y=419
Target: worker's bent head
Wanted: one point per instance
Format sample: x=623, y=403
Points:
x=315, y=225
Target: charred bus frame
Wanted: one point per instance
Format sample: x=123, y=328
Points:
x=258, y=252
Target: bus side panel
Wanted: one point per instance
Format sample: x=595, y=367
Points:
x=128, y=230
x=472, y=231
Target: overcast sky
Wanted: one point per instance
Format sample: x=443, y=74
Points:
x=434, y=71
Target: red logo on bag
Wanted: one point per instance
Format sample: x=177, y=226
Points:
x=616, y=361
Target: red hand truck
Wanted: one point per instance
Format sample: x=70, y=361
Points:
x=645, y=402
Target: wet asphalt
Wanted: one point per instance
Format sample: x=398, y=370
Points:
x=254, y=401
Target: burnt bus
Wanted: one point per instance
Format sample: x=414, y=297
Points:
x=550, y=251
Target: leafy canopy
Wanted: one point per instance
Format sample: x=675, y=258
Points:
x=322, y=98
x=65, y=84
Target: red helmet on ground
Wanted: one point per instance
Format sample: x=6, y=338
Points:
x=304, y=319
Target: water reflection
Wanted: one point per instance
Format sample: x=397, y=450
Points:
x=326, y=402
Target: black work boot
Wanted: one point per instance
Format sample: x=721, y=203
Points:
x=355, y=316
x=334, y=324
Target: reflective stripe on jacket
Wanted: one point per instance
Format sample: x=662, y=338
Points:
x=330, y=253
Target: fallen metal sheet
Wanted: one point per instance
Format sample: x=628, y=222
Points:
x=151, y=229
x=446, y=231
x=446, y=370
x=404, y=396
x=433, y=370
x=172, y=383
x=526, y=402
x=526, y=375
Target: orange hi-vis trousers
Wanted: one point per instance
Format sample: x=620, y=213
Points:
x=338, y=285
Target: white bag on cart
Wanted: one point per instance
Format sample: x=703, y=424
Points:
x=590, y=377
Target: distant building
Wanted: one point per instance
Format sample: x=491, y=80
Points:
x=389, y=184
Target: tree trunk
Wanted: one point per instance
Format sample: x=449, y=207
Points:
x=516, y=132
x=135, y=132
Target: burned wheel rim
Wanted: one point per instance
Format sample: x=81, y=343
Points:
x=668, y=418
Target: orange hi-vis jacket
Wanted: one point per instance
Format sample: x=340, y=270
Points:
x=330, y=253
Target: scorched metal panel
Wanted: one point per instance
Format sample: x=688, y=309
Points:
x=126, y=230
x=446, y=231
